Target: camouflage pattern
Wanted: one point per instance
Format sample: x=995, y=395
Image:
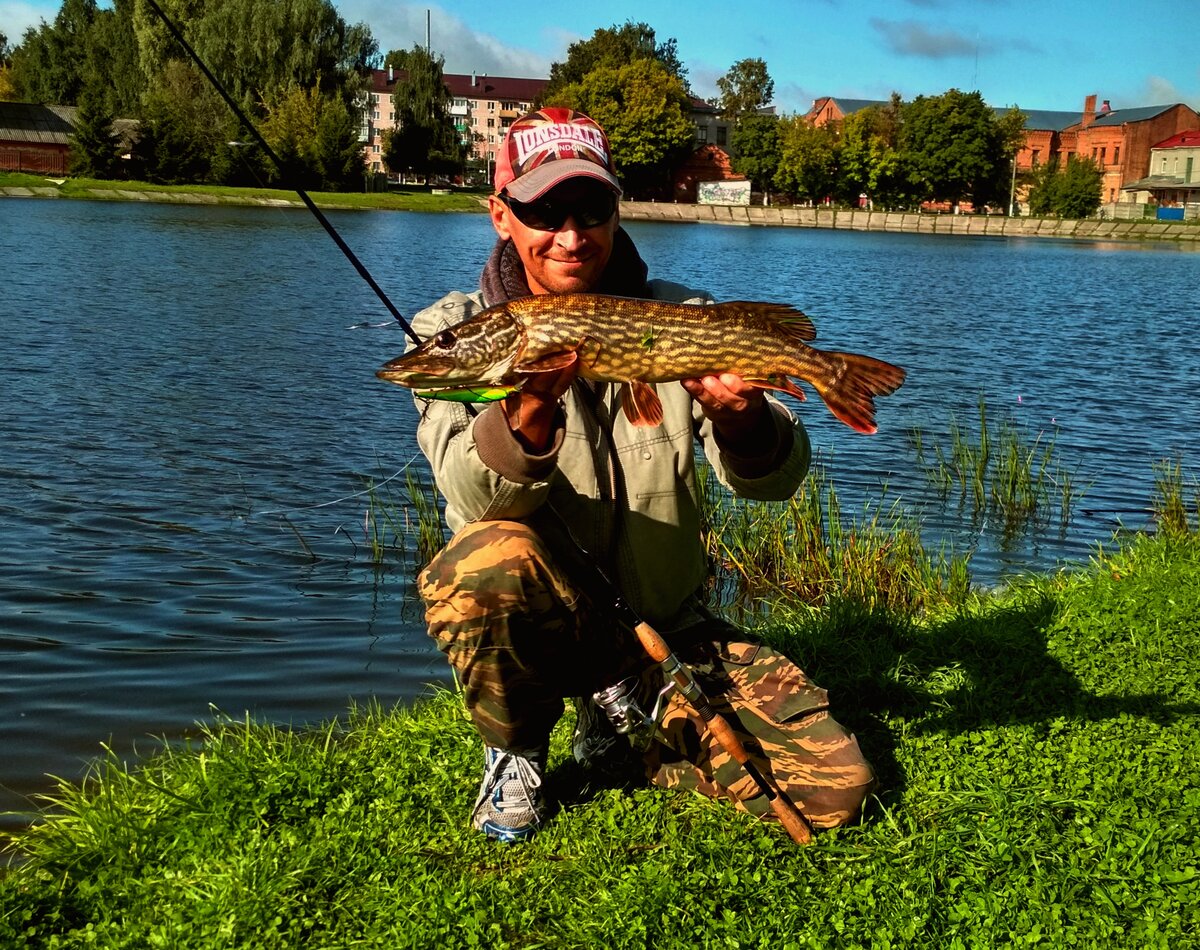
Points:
x=521, y=638
x=783, y=720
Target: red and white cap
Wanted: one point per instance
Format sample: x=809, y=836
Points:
x=547, y=147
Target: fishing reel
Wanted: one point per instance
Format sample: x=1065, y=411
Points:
x=621, y=705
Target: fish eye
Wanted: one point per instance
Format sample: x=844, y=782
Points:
x=444, y=339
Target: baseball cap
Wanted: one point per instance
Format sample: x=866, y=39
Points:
x=549, y=146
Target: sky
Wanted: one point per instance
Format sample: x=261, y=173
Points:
x=1035, y=54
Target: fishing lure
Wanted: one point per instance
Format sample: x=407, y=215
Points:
x=477, y=394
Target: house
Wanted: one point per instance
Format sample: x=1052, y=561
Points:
x=483, y=107
x=35, y=138
x=1173, y=178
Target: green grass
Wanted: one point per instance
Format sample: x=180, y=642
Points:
x=997, y=469
x=93, y=188
x=1038, y=750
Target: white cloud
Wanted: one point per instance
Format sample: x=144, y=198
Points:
x=465, y=49
x=16, y=18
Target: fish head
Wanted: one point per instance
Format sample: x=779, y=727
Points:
x=477, y=352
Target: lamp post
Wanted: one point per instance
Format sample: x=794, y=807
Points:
x=1012, y=187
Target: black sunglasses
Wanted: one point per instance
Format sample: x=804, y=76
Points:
x=589, y=210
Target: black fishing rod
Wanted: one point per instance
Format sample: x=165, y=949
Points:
x=270, y=152
x=652, y=642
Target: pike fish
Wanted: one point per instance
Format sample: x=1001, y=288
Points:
x=637, y=343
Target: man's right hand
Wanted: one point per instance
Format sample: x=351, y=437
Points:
x=532, y=409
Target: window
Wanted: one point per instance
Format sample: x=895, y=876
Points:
x=1037, y=156
x=491, y=105
x=1102, y=151
x=702, y=133
x=722, y=131
x=491, y=122
x=1116, y=155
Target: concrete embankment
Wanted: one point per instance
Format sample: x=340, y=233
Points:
x=1094, y=229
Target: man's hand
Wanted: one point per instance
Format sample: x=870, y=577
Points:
x=738, y=411
x=531, y=410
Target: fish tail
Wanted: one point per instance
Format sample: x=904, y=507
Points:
x=850, y=392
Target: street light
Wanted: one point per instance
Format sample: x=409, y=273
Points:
x=1012, y=188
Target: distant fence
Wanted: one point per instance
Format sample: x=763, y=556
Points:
x=34, y=161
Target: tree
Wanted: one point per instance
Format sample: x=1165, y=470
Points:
x=1071, y=192
x=755, y=142
x=185, y=129
x=868, y=158
x=337, y=148
x=49, y=65
x=745, y=89
x=612, y=47
x=95, y=149
x=955, y=147
x=645, y=111
x=807, y=159
x=424, y=140
x=8, y=90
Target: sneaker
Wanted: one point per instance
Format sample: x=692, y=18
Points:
x=509, y=806
x=595, y=741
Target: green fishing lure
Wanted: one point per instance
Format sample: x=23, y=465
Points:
x=476, y=394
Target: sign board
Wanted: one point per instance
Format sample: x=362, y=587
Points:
x=723, y=192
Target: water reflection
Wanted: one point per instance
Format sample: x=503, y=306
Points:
x=191, y=419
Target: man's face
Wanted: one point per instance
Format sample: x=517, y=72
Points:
x=569, y=257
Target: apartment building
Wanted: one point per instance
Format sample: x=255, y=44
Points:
x=483, y=107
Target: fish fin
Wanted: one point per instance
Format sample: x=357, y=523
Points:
x=850, y=397
x=643, y=408
x=779, y=383
x=790, y=321
x=548, y=363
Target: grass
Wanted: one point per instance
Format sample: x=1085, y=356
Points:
x=94, y=188
x=394, y=520
x=996, y=469
x=806, y=549
x=1037, y=750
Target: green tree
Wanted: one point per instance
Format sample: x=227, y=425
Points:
x=807, y=159
x=745, y=89
x=185, y=129
x=95, y=148
x=337, y=148
x=755, y=141
x=112, y=62
x=8, y=89
x=49, y=65
x=611, y=48
x=1070, y=192
x=954, y=148
x=646, y=112
x=424, y=140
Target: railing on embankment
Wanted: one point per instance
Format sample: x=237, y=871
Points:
x=910, y=222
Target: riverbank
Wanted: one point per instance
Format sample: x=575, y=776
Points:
x=1094, y=229
x=912, y=223
x=1036, y=749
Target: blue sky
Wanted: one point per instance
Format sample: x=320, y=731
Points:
x=1047, y=54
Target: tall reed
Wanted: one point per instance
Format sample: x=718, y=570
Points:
x=1170, y=499
x=807, y=549
x=394, y=520
x=996, y=470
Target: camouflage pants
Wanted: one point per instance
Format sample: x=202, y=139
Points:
x=521, y=638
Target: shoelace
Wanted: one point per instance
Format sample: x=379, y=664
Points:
x=519, y=768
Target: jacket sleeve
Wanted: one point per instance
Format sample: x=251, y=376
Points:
x=480, y=468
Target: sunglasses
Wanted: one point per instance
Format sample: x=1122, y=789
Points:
x=590, y=210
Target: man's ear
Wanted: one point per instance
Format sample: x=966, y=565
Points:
x=499, y=213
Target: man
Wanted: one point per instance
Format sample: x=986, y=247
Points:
x=503, y=601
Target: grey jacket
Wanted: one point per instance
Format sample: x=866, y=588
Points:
x=628, y=493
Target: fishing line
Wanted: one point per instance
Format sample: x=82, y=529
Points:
x=336, y=501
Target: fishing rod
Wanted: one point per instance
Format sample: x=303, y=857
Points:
x=651, y=640
x=270, y=152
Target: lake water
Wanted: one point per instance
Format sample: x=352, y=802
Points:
x=190, y=418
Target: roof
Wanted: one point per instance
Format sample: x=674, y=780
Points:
x=1188, y=139
x=1161, y=182
x=1121, y=116
x=36, y=124
x=465, y=85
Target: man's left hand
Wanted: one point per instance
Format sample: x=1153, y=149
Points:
x=737, y=409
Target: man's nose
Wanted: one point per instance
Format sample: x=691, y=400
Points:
x=571, y=233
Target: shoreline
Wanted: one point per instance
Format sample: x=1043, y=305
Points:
x=897, y=222
x=908, y=222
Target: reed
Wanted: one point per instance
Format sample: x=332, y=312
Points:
x=393, y=520
x=1170, y=503
x=807, y=549
x=997, y=470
